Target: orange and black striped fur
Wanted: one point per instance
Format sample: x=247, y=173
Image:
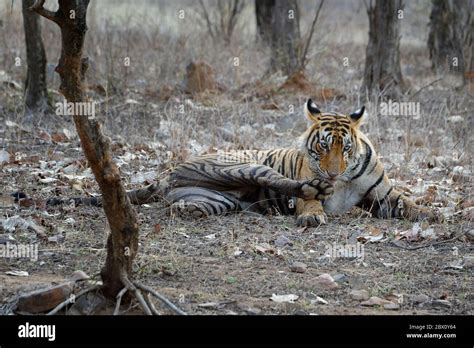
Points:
x=334, y=169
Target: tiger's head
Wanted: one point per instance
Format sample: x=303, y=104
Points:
x=332, y=142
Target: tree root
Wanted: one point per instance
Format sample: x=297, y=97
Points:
x=144, y=301
x=140, y=291
x=163, y=299
x=119, y=300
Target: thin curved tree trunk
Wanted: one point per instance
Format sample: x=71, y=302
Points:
x=122, y=243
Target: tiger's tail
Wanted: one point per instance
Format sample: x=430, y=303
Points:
x=148, y=194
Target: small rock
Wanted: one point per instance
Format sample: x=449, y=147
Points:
x=340, y=278
x=248, y=309
x=470, y=235
x=88, y=304
x=300, y=312
x=252, y=311
x=441, y=304
x=282, y=240
x=6, y=238
x=421, y=298
x=298, y=267
x=56, y=239
x=79, y=275
x=375, y=301
x=45, y=299
x=391, y=306
x=325, y=281
x=468, y=262
x=359, y=295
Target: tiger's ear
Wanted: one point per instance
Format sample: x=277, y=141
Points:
x=311, y=110
x=357, y=117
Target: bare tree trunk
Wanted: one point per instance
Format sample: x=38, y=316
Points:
x=36, y=93
x=285, y=37
x=122, y=243
x=263, y=13
x=450, y=37
x=382, y=65
x=469, y=49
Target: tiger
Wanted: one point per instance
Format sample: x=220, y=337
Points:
x=334, y=169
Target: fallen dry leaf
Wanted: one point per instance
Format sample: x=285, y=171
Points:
x=375, y=301
x=319, y=300
x=416, y=233
x=264, y=248
x=4, y=157
x=369, y=238
x=157, y=228
x=290, y=298
x=17, y=273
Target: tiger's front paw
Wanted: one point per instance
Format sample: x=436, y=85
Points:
x=311, y=220
x=316, y=189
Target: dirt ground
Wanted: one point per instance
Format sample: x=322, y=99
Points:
x=234, y=264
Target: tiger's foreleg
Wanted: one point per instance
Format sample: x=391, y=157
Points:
x=310, y=213
x=382, y=200
x=224, y=176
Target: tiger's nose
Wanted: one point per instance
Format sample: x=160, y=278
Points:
x=332, y=174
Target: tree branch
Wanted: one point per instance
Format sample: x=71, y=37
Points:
x=207, y=19
x=39, y=9
x=308, y=42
